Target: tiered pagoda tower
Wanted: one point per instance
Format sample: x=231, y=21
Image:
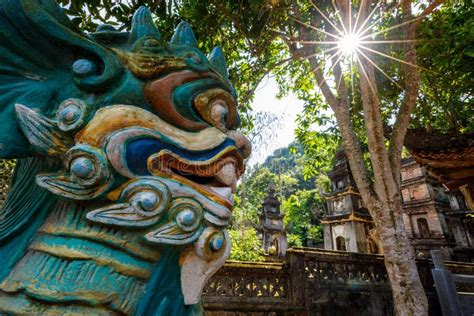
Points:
x=347, y=224
x=271, y=227
x=435, y=214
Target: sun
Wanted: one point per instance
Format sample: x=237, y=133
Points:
x=348, y=44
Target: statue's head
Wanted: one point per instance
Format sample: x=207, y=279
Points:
x=144, y=124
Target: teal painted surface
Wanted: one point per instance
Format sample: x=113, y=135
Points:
x=38, y=43
x=92, y=249
x=73, y=280
x=24, y=211
x=54, y=257
x=162, y=294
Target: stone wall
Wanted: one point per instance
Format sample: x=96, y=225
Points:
x=312, y=282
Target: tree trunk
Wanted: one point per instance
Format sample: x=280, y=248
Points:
x=409, y=297
x=382, y=197
x=408, y=294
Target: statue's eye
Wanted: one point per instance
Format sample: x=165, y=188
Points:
x=218, y=108
x=219, y=114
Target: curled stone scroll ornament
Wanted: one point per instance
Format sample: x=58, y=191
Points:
x=127, y=161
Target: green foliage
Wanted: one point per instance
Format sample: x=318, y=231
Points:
x=244, y=215
x=256, y=184
x=285, y=167
x=6, y=166
x=291, y=160
x=316, y=233
x=447, y=90
x=294, y=240
x=301, y=213
x=301, y=196
x=246, y=246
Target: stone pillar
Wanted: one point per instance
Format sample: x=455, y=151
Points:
x=328, y=237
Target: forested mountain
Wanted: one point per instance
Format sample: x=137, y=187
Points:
x=290, y=161
x=300, y=197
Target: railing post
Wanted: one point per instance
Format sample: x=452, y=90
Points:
x=445, y=287
x=297, y=280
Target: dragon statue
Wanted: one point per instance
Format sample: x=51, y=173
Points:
x=127, y=160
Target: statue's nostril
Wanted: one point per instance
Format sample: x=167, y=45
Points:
x=242, y=143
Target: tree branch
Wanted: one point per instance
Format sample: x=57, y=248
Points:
x=384, y=185
x=340, y=83
x=412, y=84
x=433, y=5
x=322, y=83
x=341, y=109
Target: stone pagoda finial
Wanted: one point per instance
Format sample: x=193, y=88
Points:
x=271, y=188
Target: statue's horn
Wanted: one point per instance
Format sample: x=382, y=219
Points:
x=41, y=132
x=184, y=35
x=142, y=25
x=217, y=60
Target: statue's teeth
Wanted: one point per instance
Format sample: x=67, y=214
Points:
x=223, y=191
x=228, y=176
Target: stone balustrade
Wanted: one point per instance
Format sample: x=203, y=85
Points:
x=312, y=282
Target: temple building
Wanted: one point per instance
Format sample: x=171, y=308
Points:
x=435, y=218
x=348, y=225
x=271, y=230
x=449, y=158
x=425, y=205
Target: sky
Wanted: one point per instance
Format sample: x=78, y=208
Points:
x=287, y=108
